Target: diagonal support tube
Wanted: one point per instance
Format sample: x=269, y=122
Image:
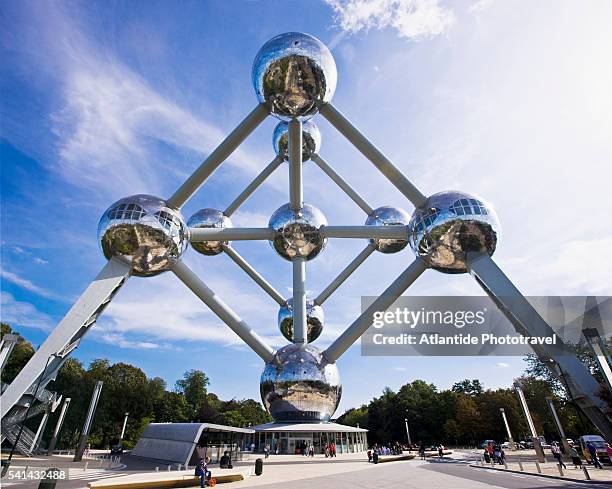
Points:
x=230, y=234
x=345, y=274
x=300, y=333
x=370, y=232
x=74, y=325
x=581, y=385
x=296, y=191
x=343, y=184
x=218, y=156
x=222, y=310
x=251, y=272
x=372, y=153
x=384, y=301
x=257, y=181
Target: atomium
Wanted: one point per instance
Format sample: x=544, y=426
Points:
x=315, y=320
x=448, y=226
x=143, y=232
x=209, y=218
x=298, y=385
x=388, y=216
x=298, y=233
x=292, y=73
x=311, y=140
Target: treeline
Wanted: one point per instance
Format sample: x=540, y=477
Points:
x=127, y=389
x=466, y=414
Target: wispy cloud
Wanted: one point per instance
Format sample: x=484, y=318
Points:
x=412, y=19
x=502, y=365
x=29, y=285
x=19, y=313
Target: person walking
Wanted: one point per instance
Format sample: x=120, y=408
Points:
x=422, y=451
x=593, y=453
x=266, y=450
x=556, y=451
x=576, y=460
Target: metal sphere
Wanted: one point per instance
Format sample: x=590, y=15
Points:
x=314, y=319
x=388, y=216
x=311, y=140
x=143, y=232
x=448, y=226
x=209, y=218
x=293, y=72
x=297, y=385
x=298, y=234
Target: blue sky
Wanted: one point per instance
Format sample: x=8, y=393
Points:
x=508, y=100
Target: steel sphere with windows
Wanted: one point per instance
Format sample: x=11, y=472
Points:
x=144, y=232
x=298, y=385
x=209, y=218
x=311, y=140
x=448, y=226
x=292, y=73
x=298, y=233
x=388, y=216
x=314, y=320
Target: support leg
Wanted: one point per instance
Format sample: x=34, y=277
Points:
x=296, y=197
x=300, y=324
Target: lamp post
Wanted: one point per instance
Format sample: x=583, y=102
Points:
x=510, y=440
x=537, y=444
x=408, y=433
x=124, y=425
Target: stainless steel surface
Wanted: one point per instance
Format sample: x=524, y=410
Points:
x=388, y=216
x=230, y=234
x=296, y=187
x=222, y=310
x=251, y=272
x=372, y=153
x=448, y=226
x=315, y=319
x=298, y=385
x=382, y=303
x=209, y=219
x=292, y=72
x=299, y=300
x=143, y=232
x=344, y=274
x=298, y=233
x=343, y=184
x=369, y=232
x=311, y=140
x=251, y=187
x=218, y=156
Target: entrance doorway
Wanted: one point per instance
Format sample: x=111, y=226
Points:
x=298, y=441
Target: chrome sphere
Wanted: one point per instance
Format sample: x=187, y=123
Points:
x=448, y=226
x=311, y=140
x=314, y=319
x=298, y=233
x=297, y=385
x=143, y=232
x=292, y=72
x=388, y=216
x=209, y=218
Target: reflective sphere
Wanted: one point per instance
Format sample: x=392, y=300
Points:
x=144, y=232
x=388, y=216
x=296, y=385
x=291, y=73
x=209, y=218
x=311, y=140
x=298, y=233
x=448, y=226
x=314, y=318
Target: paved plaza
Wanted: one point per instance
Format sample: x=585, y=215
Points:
x=347, y=471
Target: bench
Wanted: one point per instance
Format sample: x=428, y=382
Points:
x=162, y=480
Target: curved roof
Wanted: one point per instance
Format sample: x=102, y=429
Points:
x=310, y=427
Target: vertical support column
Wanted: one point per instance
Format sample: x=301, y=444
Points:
x=296, y=196
x=78, y=456
x=407, y=432
x=124, y=425
x=6, y=347
x=564, y=443
x=510, y=440
x=58, y=426
x=300, y=325
x=39, y=431
x=602, y=356
x=537, y=445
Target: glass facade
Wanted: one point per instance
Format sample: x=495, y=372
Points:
x=291, y=442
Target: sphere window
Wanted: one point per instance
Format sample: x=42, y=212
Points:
x=126, y=211
x=466, y=207
x=167, y=220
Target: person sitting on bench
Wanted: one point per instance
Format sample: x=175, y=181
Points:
x=202, y=472
x=225, y=462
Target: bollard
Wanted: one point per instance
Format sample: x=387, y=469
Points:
x=505, y=465
x=85, y=467
x=560, y=470
x=50, y=478
x=586, y=473
x=520, y=465
x=538, y=467
x=156, y=469
x=169, y=468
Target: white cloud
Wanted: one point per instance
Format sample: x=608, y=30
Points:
x=28, y=285
x=40, y=261
x=480, y=5
x=19, y=313
x=412, y=19
x=502, y=365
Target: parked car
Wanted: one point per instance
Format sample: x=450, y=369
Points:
x=600, y=447
x=116, y=450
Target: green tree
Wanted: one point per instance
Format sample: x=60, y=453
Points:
x=470, y=387
x=20, y=355
x=193, y=386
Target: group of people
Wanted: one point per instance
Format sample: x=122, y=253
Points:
x=494, y=454
x=329, y=450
